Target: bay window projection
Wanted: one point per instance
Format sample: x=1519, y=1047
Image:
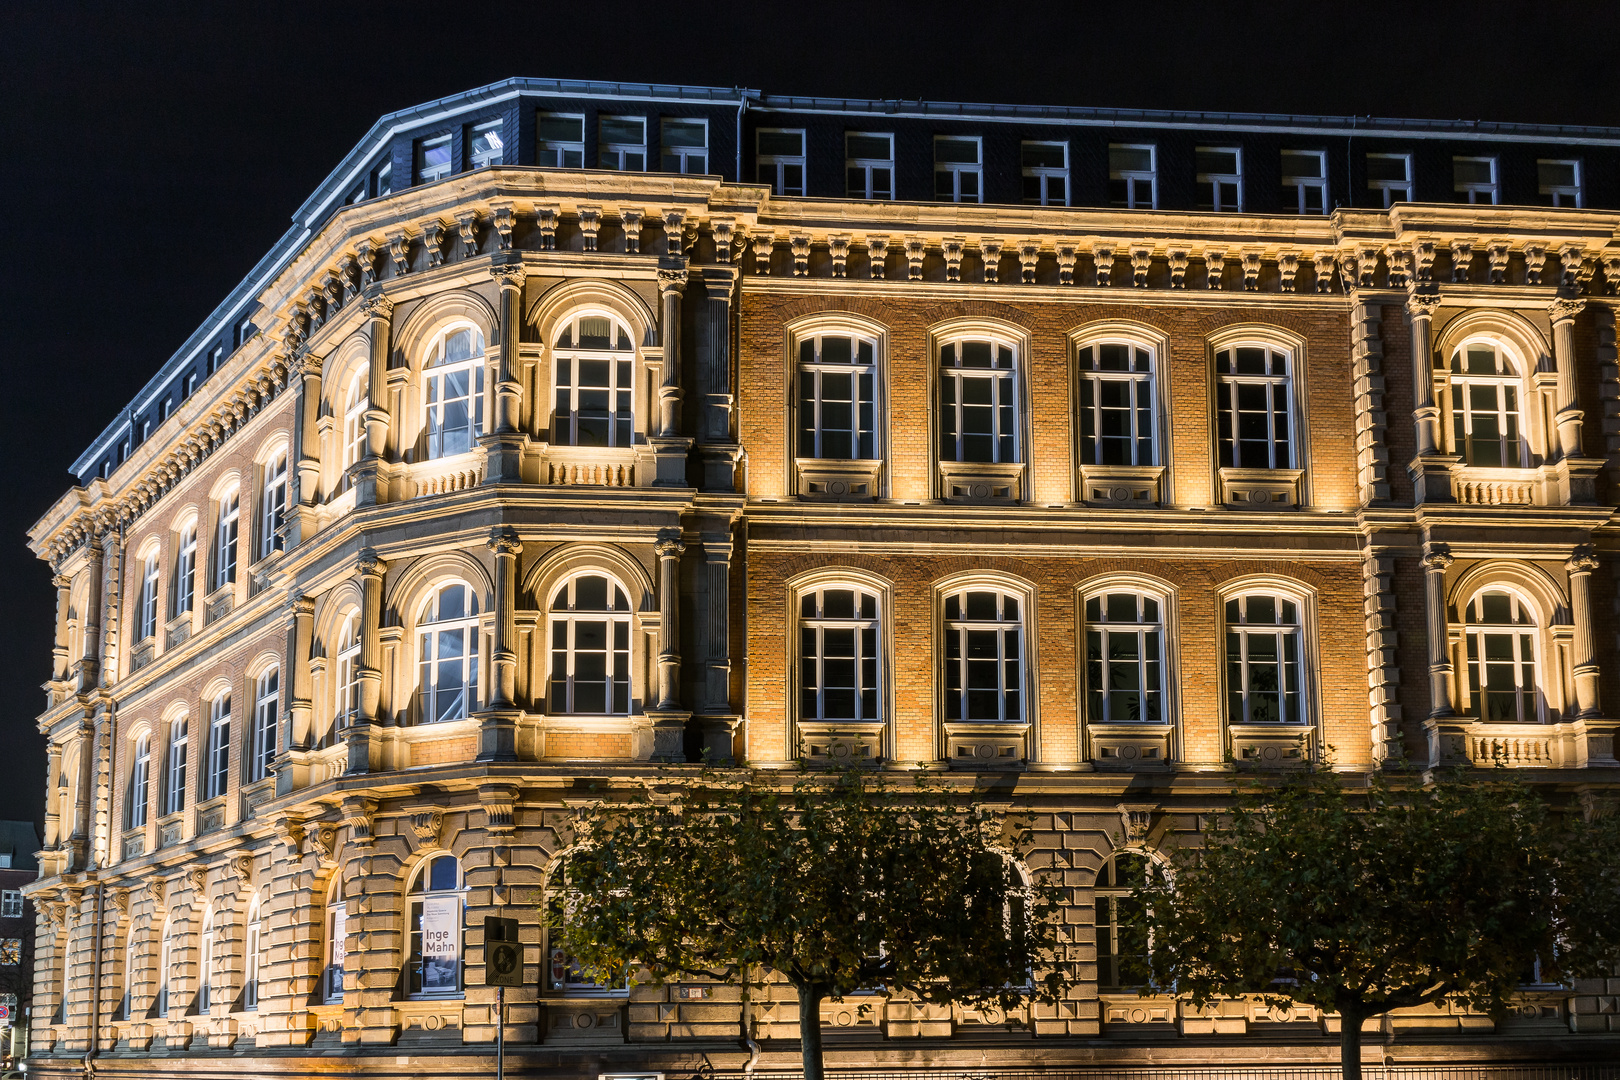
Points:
x=779, y=159
x=978, y=392
x=1389, y=176
x=622, y=143
x=958, y=168
x=1219, y=177
x=560, y=140
x=1117, y=414
x=1124, y=659
x=433, y=966
x=685, y=145
x=594, y=367
x=1485, y=424
x=1263, y=669
x=838, y=656
x=590, y=648
x=1133, y=176
x=447, y=654
x=1304, y=182
x=869, y=165
x=1500, y=630
x=1046, y=172
x=217, y=750
x=453, y=389
x=1253, y=407
x=984, y=656
x=837, y=376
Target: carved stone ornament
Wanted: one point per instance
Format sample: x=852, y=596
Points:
x=1422, y=304
x=1436, y=558
x=1325, y=263
x=504, y=541
x=1462, y=258
x=952, y=247
x=1137, y=819
x=545, y=219
x=1103, y=255
x=1535, y=258
x=377, y=307
x=399, y=249
x=197, y=878
x=323, y=841
x=590, y=222
x=1423, y=252
x=120, y=900
x=1251, y=271
x=467, y=225
x=358, y=812
x=1565, y=307
x=1576, y=266
x=1214, y=266
x=1288, y=269
x=291, y=832
x=157, y=889
x=990, y=253
x=435, y=232
x=1068, y=254
x=671, y=281
x=1583, y=561
x=1178, y=259
x=916, y=249
x=799, y=244
x=763, y=242
x=669, y=546
x=1029, y=257
x=630, y=220
x=877, y=250
x=368, y=564
x=722, y=229
x=1399, y=260
x=674, y=225
x=838, y=248
x=504, y=220
x=426, y=825
x=499, y=808
x=1497, y=252
x=241, y=867
x=1141, y=263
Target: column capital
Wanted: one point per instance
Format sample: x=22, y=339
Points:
x=671, y=280
x=61, y=581
x=1437, y=557
x=509, y=275
x=1583, y=561
x=1565, y=308
x=377, y=307
x=303, y=605
x=1422, y=303
x=503, y=541
x=369, y=564
x=669, y=545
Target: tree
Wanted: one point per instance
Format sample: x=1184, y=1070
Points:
x=1359, y=902
x=836, y=884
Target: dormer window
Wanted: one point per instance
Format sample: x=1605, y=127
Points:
x=433, y=159
x=560, y=138
x=623, y=143
x=486, y=146
x=685, y=145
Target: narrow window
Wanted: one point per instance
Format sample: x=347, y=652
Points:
x=1220, y=178
x=1262, y=661
x=838, y=656
x=357, y=401
x=188, y=386
x=243, y=331
x=837, y=373
x=1124, y=659
x=347, y=676
x=1501, y=636
x=165, y=407
x=486, y=146
x=148, y=607
x=1389, y=176
x=685, y=145
x=454, y=386
x=779, y=160
x=560, y=140
x=1253, y=407
x=1485, y=426
x=166, y=961
x=337, y=949
x=205, y=961
x=1474, y=180
x=1304, y=182
x=564, y=974
x=594, y=366
x=434, y=964
x=382, y=178
x=266, y=708
x=273, y=512
x=174, y=797
x=622, y=143
x=1117, y=404
x=433, y=159
x=254, y=960
x=11, y=904
x=869, y=165
x=140, y=774
x=984, y=656
x=1133, y=176
x=1046, y=173
x=1122, y=944
x=225, y=534
x=590, y=648
x=131, y=955
x=447, y=654
x=215, y=355
x=978, y=401
x=1559, y=183
x=958, y=168
x=217, y=780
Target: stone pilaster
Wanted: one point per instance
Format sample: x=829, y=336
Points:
x=1583, y=651
x=1372, y=452
x=1442, y=681
x=497, y=739
x=362, y=751
x=379, y=313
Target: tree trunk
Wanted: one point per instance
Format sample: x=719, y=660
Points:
x=1349, y=1044
x=810, y=1030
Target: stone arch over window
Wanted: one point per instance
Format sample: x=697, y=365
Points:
x=837, y=423
x=413, y=338
x=553, y=307
x=539, y=582
x=1122, y=425
x=335, y=662
x=1496, y=379
x=1270, y=671
x=979, y=378
x=442, y=374
x=987, y=666
x=345, y=397
x=1259, y=417
x=334, y=942
x=840, y=659
x=1509, y=635
x=435, y=915
x=138, y=784
x=1128, y=671
x=1122, y=943
x=272, y=472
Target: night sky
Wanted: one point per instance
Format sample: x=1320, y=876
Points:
x=152, y=155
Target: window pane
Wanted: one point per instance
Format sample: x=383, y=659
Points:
x=553, y=128
x=623, y=129
x=1471, y=170
x=1387, y=167
x=685, y=133
x=788, y=143
x=1130, y=159
x=1043, y=155
x=868, y=146
x=1299, y=164
x=956, y=151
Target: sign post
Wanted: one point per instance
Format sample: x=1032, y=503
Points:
x=503, y=967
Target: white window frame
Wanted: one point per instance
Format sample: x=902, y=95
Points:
x=431, y=636
x=810, y=412
x=437, y=376
x=779, y=164
x=564, y=618
x=266, y=713
x=217, y=764
x=1245, y=668
x=1227, y=389
x=226, y=535
x=1575, y=193
x=413, y=950
x=679, y=159
x=11, y=904
x=346, y=673
x=273, y=504
x=147, y=610
x=1391, y=192
x=205, y=961
x=952, y=174
x=188, y=385
x=185, y=568
x=620, y=156
x=1011, y=671
x=1529, y=702
x=174, y=792
x=140, y=780
x=1297, y=188
x=1044, y=174
x=1151, y=664
x=166, y=961
x=1133, y=178
x=1469, y=191
x=868, y=187
x=555, y=153
x=1462, y=383
x=215, y=356
x=622, y=366
x=337, y=949
x=491, y=155
x=253, y=958
x=426, y=173
x=1144, y=386
x=1006, y=392
x=382, y=178
x=131, y=954
x=357, y=402
x=1108, y=892
x=866, y=659
x=1219, y=180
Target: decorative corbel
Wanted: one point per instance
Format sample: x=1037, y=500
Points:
x=1251, y=271
x=1178, y=259
x=332, y=292
x=877, y=251
x=838, y=248
x=689, y=236
x=120, y=899
x=399, y=249
x=916, y=249
x=435, y=231
x=764, y=242
x=722, y=228
x=1288, y=269
x=1423, y=252
x=358, y=812
x=1324, y=271
x=799, y=244
x=241, y=868
x=630, y=219
x=1367, y=264
x=291, y=832
x=1611, y=274
x=349, y=274
x=197, y=877
x=1572, y=260
x=1103, y=254
x=952, y=248
x=467, y=226
x=1141, y=263
x=1497, y=251
x=1068, y=254
x=1214, y=267
x=1462, y=259
x=505, y=218
x=499, y=802
x=366, y=254
x=1400, y=266
x=1535, y=258
x=426, y=823
x=323, y=841
x=1029, y=256
x=1137, y=821
x=590, y=223
x=674, y=226
x=990, y=255
x=545, y=217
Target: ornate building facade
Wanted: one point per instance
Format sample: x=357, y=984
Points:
x=576, y=432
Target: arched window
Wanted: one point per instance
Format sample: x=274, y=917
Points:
x=594, y=367
x=1263, y=671
x=64, y=968
x=126, y=1004
x=185, y=569
x=564, y=974
x=837, y=397
x=838, y=655
x=140, y=773
x=1253, y=397
x=266, y=708
x=1500, y=630
x=978, y=401
x=225, y=534
x=205, y=961
x=174, y=794
x=984, y=656
x=356, y=402
x=434, y=966
x=253, y=961
x=1122, y=944
x=1117, y=413
x=273, y=504
x=346, y=676
x=217, y=763
x=166, y=961
x=147, y=608
x=1124, y=659
x=453, y=390
x=337, y=946
x=1485, y=395
x=447, y=653
x=590, y=648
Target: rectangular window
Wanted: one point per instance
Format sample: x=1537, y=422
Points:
x=838, y=656
x=165, y=408
x=1559, y=183
x=1116, y=404
x=1133, y=176
x=622, y=143
x=486, y=147
x=146, y=429
x=1304, y=182
x=11, y=904
x=1389, y=176
x=779, y=159
x=185, y=570
x=218, y=777
x=337, y=949
x=243, y=331
x=1262, y=661
x=978, y=410
x=685, y=145
x=836, y=406
x=433, y=159
x=984, y=666
x=189, y=386
x=10, y=951
x=958, y=168
x=1046, y=173
x=274, y=511
x=215, y=355
x=1252, y=405
x=1220, y=177
x=382, y=178
x=1474, y=180
x=560, y=140
x=225, y=540
x=174, y=796
x=148, y=610
x=265, y=712
x=869, y=165
x=1124, y=659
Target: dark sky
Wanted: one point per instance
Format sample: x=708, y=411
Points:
x=151, y=154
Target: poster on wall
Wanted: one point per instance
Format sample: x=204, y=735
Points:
x=441, y=944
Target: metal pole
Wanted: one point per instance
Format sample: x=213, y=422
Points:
x=500, y=1032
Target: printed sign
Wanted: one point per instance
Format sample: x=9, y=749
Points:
x=441, y=944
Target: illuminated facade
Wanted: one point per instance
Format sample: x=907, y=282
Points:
x=1088, y=458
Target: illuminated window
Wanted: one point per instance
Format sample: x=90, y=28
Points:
x=838, y=656
x=869, y=165
x=1389, y=176
x=454, y=391
x=837, y=376
x=356, y=402
x=978, y=401
x=958, y=168
x=185, y=569
x=166, y=962
x=1253, y=407
x=594, y=365
x=11, y=904
x=433, y=159
x=1485, y=391
x=564, y=975
x=1304, y=182
x=346, y=678
x=205, y=961
x=590, y=648
x=139, y=783
x=433, y=968
x=622, y=143
x=779, y=160
x=1124, y=659
x=225, y=536
x=1501, y=634
x=174, y=794
x=447, y=654
x=1046, y=173
x=1474, y=180
x=1220, y=177
x=273, y=505
x=685, y=145
x=1263, y=670
x=1133, y=176
x=984, y=656
x=337, y=947
x=561, y=140
x=147, y=607
x=1117, y=413
x=486, y=147
x=254, y=960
